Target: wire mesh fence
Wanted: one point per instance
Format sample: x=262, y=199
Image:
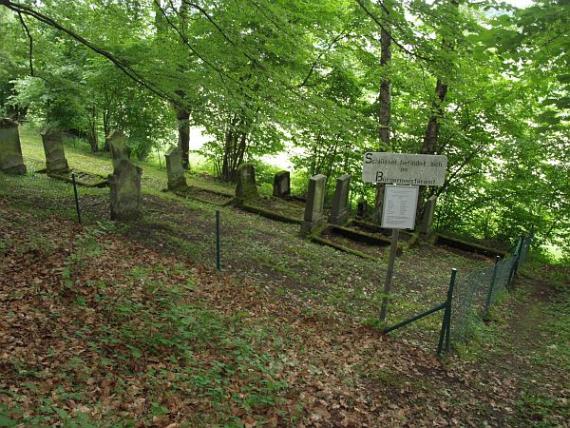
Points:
x=476, y=292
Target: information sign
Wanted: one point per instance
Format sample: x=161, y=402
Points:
x=404, y=168
x=399, y=208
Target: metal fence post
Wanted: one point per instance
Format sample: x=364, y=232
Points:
x=516, y=257
x=491, y=287
x=218, y=262
x=444, y=335
x=76, y=197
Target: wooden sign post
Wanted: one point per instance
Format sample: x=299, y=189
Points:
x=403, y=174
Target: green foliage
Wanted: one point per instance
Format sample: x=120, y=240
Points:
x=265, y=76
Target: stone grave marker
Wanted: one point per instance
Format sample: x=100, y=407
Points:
x=314, y=217
x=427, y=216
x=175, y=169
x=340, y=209
x=126, y=191
x=56, y=163
x=246, y=188
x=282, y=184
x=11, y=159
x=118, y=146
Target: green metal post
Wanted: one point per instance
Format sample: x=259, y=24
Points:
x=389, y=274
x=515, y=256
x=446, y=321
x=76, y=197
x=491, y=287
x=218, y=262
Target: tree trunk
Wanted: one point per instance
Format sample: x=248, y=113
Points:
x=183, y=118
x=92, y=136
x=431, y=136
x=429, y=145
x=385, y=108
x=235, y=148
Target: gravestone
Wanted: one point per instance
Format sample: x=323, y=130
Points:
x=340, y=209
x=125, y=191
x=282, y=184
x=175, y=169
x=55, y=156
x=362, y=208
x=11, y=159
x=314, y=217
x=118, y=146
x=246, y=188
x=427, y=216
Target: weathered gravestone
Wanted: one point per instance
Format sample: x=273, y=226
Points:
x=314, y=217
x=362, y=208
x=125, y=191
x=119, y=148
x=282, y=184
x=340, y=209
x=11, y=159
x=175, y=170
x=427, y=216
x=56, y=163
x=246, y=188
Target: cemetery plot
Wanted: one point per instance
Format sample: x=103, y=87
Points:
x=205, y=195
x=286, y=210
x=455, y=243
x=372, y=228
x=82, y=178
x=366, y=248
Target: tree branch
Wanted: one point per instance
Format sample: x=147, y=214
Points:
x=379, y=23
x=30, y=43
x=187, y=43
x=119, y=63
x=334, y=41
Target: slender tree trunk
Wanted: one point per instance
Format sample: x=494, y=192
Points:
x=431, y=136
x=92, y=136
x=429, y=145
x=183, y=118
x=385, y=107
x=106, y=130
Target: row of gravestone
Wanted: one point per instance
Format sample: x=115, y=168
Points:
x=246, y=187
x=125, y=182
x=314, y=206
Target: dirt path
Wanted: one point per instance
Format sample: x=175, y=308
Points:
x=527, y=359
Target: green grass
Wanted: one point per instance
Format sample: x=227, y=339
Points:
x=160, y=333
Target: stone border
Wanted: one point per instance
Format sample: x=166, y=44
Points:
x=187, y=194
x=323, y=241
x=67, y=178
x=269, y=214
x=442, y=239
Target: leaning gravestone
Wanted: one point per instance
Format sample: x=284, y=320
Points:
x=314, y=217
x=11, y=159
x=246, y=188
x=282, y=184
x=175, y=170
x=340, y=209
x=125, y=191
x=118, y=146
x=55, y=156
x=427, y=216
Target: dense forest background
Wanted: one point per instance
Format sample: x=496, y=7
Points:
x=482, y=82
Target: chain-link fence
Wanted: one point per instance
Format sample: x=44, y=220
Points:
x=476, y=292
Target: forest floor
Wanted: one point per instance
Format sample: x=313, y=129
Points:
x=110, y=324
